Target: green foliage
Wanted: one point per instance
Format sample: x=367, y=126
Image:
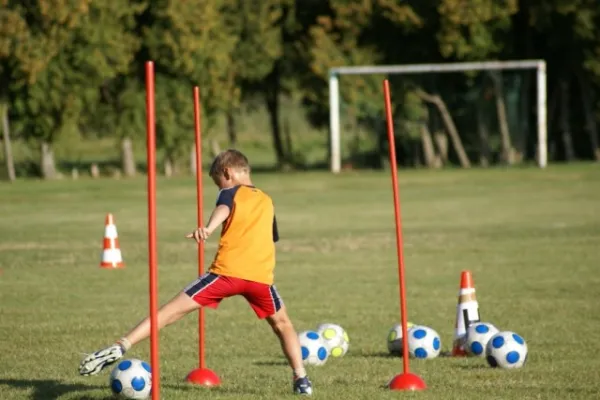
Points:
x=470, y=29
x=91, y=49
x=75, y=67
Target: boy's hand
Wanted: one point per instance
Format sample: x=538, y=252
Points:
x=199, y=234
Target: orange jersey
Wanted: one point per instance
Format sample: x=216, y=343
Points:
x=247, y=245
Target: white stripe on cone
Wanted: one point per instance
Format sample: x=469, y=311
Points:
x=110, y=231
x=112, y=256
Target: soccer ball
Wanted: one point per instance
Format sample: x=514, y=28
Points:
x=506, y=350
x=478, y=335
x=394, y=338
x=335, y=337
x=131, y=379
x=423, y=342
x=313, y=348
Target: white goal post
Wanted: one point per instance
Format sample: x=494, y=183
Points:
x=334, y=96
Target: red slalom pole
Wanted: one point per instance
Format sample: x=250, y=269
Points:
x=406, y=380
x=202, y=375
x=199, y=202
x=151, y=158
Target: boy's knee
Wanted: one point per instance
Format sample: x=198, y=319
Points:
x=280, y=322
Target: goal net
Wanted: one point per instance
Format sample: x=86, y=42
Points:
x=464, y=114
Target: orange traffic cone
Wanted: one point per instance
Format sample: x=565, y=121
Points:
x=111, y=254
x=467, y=312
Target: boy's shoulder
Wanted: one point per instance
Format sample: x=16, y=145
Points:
x=226, y=196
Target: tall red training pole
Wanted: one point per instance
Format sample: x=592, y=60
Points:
x=406, y=380
x=202, y=375
x=151, y=158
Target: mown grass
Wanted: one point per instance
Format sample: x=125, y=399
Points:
x=529, y=236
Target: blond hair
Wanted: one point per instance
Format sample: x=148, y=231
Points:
x=229, y=159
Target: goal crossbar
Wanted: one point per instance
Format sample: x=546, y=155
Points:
x=334, y=100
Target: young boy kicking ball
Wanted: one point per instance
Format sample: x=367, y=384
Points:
x=243, y=266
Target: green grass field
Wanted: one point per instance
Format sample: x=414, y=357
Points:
x=530, y=237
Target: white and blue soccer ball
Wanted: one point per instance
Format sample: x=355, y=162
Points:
x=423, y=342
x=394, y=338
x=477, y=338
x=506, y=350
x=131, y=379
x=336, y=339
x=313, y=347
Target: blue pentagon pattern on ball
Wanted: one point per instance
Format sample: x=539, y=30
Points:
x=116, y=386
x=506, y=350
x=482, y=329
x=123, y=365
x=423, y=342
x=476, y=348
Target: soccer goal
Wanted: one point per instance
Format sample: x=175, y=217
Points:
x=537, y=108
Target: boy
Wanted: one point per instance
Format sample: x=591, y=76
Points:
x=243, y=265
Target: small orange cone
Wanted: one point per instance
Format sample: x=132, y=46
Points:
x=111, y=253
x=467, y=312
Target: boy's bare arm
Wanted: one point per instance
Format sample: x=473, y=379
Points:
x=218, y=216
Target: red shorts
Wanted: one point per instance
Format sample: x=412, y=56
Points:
x=209, y=289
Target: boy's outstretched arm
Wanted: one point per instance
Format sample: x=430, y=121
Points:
x=218, y=216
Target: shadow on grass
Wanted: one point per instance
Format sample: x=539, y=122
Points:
x=474, y=366
x=50, y=389
x=271, y=363
x=378, y=354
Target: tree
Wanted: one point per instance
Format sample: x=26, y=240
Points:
x=566, y=33
x=88, y=45
x=475, y=30
x=352, y=33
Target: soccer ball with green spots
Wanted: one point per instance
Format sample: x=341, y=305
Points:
x=394, y=339
x=335, y=337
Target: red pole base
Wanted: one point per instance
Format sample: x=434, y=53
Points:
x=407, y=381
x=203, y=377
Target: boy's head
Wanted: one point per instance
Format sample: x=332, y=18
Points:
x=230, y=168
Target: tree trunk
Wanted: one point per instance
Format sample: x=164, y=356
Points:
x=193, y=159
x=552, y=105
x=524, y=118
x=450, y=126
x=484, y=138
x=507, y=150
x=169, y=169
x=441, y=142
x=231, y=128
x=432, y=160
x=47, y=164
x=590, y=119
x=287, y=134
x=10, y=164
x=272, y=89
x=565, y=125
x=127, y=159
x=215, y=148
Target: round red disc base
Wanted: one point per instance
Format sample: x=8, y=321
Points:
x=407, y=382
x=204, y=377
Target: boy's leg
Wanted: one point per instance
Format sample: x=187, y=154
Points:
x=267, y=303
x=284, y=329
x=176, y=308
x=173, y=311
x=208, y=290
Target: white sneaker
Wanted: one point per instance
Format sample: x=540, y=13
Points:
x=97, y=361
